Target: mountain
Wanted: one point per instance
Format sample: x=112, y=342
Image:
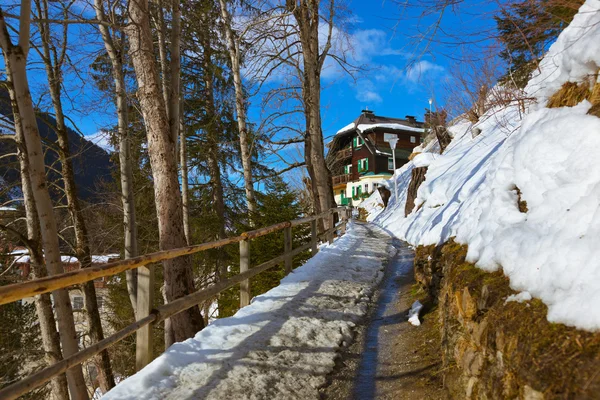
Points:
x=91, y=163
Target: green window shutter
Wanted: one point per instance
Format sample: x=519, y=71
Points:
x=366, y=164
x=352, y=191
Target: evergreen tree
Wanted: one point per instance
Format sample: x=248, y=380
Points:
x=526, y=30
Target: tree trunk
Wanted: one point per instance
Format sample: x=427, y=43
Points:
x=246, y=153
x=185, y=187
x=129, y=224
x=82, y=248
x=178, y=272
x=43, y=304
x=212, y=138
x=15, y=58
x=306, y=13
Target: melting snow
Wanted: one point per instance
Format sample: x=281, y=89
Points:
x=283, y=344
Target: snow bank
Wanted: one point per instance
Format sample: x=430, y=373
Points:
x=550, y=156
x=573, y=58
x=284, y=343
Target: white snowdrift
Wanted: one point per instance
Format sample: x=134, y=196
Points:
x=551, y=156
x=282, y=345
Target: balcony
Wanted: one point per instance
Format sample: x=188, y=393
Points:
x=343, y=154
x=341, y=179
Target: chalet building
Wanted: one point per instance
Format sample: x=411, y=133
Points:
x=360, y=159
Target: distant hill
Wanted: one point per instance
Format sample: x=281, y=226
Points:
x=91, y=163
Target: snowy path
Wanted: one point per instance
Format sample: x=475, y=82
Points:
x=285, y=343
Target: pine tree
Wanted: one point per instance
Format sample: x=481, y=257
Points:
x=526, y=29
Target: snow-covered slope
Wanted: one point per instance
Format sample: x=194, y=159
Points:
x=550, y=156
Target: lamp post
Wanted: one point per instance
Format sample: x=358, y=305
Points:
x=393, y=140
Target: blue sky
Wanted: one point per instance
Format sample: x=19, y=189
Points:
x=396, y=79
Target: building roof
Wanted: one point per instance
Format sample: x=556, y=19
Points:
x=367, y=121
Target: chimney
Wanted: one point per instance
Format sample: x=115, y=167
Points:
x=411, y=119
x=369, y=114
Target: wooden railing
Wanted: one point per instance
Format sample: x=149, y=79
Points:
x=338, y=180
x=151, y=316
x=343, y=154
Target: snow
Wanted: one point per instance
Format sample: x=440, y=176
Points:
x=7, y=209
x=284, y=343
x=347, y=128
x=573, y=57
x=519, y=297
x=550, y=155
x=366, y=127
x=22, y=256
x=424, y=159
x=103, y=259
x=413, y=313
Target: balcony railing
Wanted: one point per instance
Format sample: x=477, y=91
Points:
x=340, y=179
x=344, y=154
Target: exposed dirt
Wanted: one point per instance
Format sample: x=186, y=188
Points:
x=391, y=359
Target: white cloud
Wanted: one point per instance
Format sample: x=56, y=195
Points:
x=421, y=69
x=366, y=93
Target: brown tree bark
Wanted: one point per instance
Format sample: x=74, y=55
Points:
x=212, y=137
x=115, y=55
x=15, y=57
x=177, y=273
x=306, y=14
x=233, y=47
x=53, y=59
x=417, y=178
x=43, y=304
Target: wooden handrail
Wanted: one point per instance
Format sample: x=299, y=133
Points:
x=22, y=290
x=26, y=289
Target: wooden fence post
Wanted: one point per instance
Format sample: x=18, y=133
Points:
x=244, y=266
x=287, y=248
x=145, y=303
x=313, y=237
x=344, y=221
x=331, y=227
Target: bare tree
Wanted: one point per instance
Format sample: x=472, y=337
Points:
x=161, y=146
x=15, y=57
x=308, y=18
x=43, y=304
x=234, y=49
x=53, y=58
x=114, y=45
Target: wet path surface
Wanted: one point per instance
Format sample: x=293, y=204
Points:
x=390, y=358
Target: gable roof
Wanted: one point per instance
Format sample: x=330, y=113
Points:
x=367, y=121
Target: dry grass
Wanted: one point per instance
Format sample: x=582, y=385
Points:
x=571, y=94
x=561, y=361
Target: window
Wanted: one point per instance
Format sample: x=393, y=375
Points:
x=375, y=186
x=77, y=303
x=348, y=169
x=413, y=139
x=357, y=141
x=363, y=165
x=366, y=188
x=391, y=163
